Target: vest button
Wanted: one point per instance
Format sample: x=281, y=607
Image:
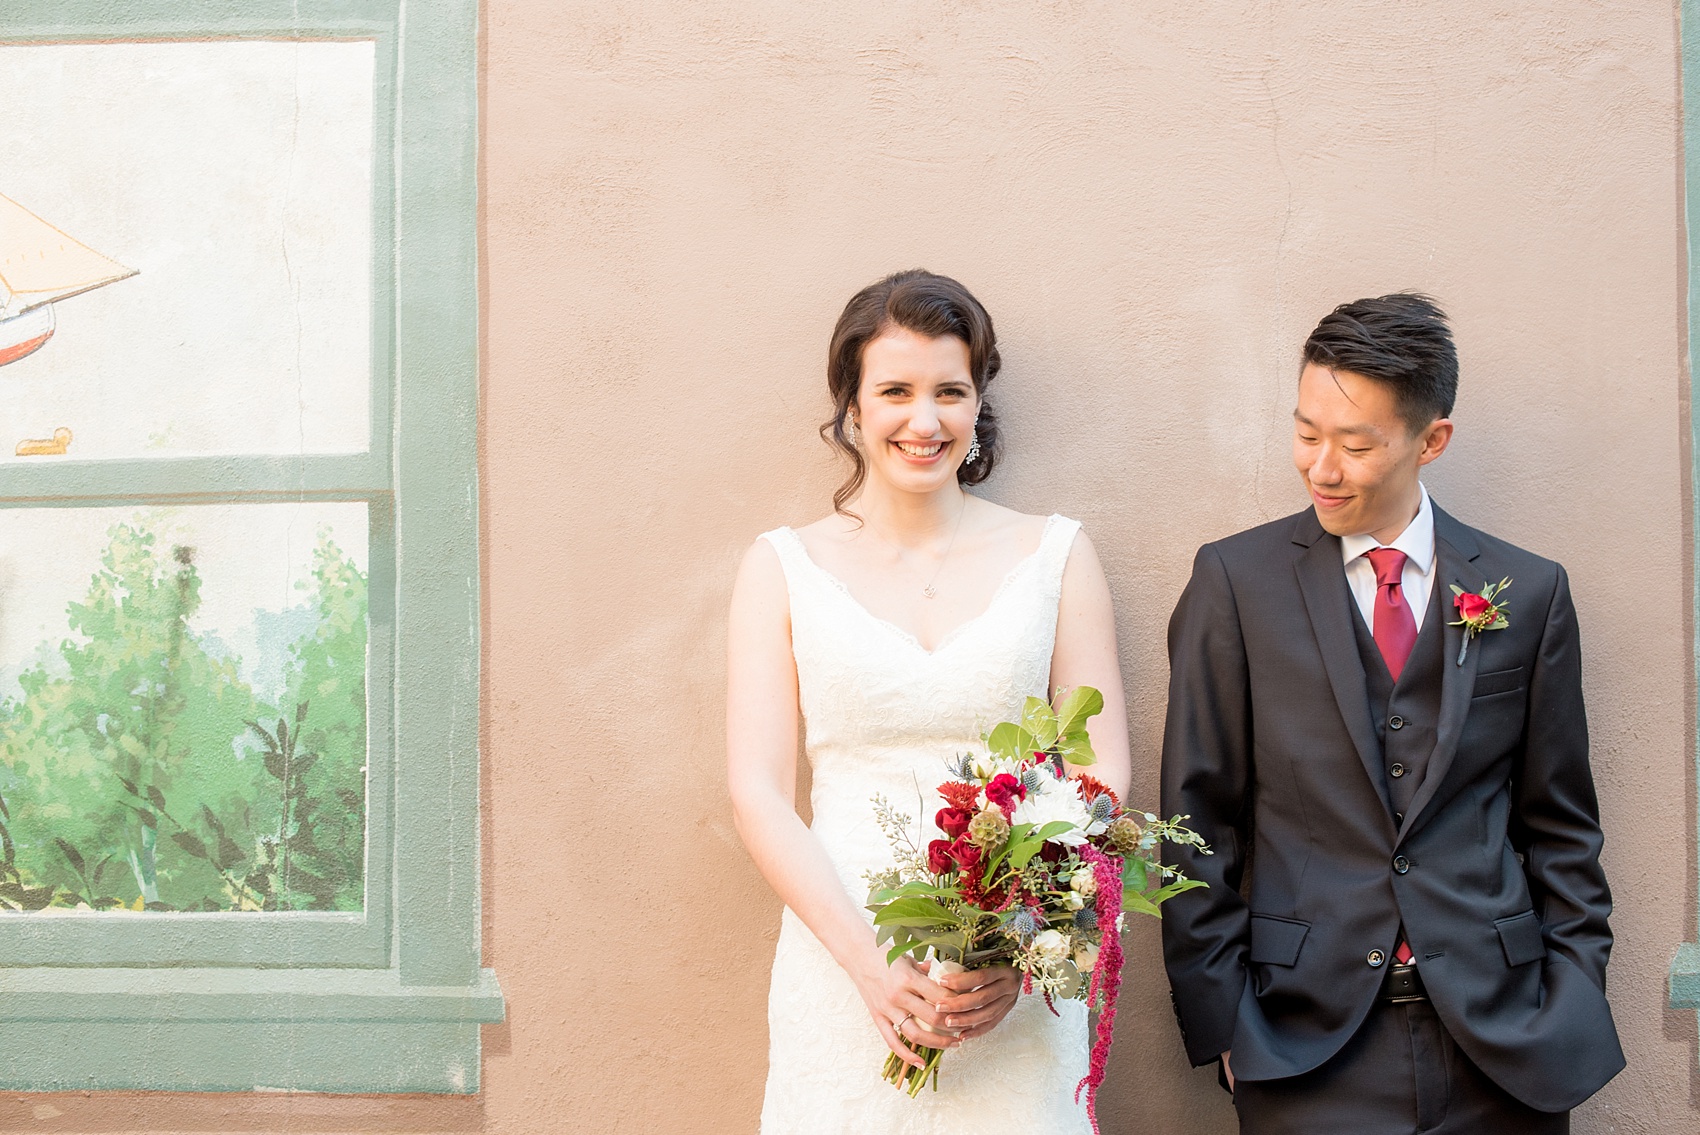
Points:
x=1396, y=722
x=1375, y=958
x=1401, y=864
x=1397, y=769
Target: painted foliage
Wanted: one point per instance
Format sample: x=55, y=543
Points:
x=185, y=272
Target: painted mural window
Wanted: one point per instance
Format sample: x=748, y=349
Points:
x=183, y=708
x=239, y=591
x=183, y=687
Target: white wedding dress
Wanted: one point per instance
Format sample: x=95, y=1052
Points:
x=884, y=716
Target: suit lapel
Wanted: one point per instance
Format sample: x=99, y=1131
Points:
x=1322, y=582
x=1455, y=554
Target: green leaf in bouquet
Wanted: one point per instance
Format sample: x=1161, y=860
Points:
x=1075, y=706
x=907, y=946
x=945, y=945
x=1135, y=901
x=995, y=860
x=1076, y=748
x=917, y=887
x=1010, y=742
x=1135, y=874
x=912, y=910
x=1020, y=855
x=1179, y=886
x=1039, y=720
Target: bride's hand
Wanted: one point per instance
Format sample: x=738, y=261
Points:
x=980, y=998
x=902, y=996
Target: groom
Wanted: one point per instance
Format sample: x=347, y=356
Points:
x=1405, y=928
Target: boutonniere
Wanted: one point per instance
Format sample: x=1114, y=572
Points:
x=1479, y=612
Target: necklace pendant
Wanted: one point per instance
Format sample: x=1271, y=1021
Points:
x=928, y=591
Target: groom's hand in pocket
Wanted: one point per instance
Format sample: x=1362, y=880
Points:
x=979, y=999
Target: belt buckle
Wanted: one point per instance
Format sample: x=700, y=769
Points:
x=1403, y=985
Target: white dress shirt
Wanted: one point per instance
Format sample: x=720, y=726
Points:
x=1417, y=580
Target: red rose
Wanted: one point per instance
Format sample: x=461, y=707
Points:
x=1004, y=791
x=939, y=861
x=965, y=853
x=1472, y=606
x=952, y=821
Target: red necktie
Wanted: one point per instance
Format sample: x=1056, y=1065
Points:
x=1395, y=632
x=1394, y=627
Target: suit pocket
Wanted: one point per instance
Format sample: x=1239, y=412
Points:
x=1521, y=936
x=1276, y=941
x=1498, y=682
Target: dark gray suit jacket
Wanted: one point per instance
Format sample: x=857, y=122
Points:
x=1270, y=748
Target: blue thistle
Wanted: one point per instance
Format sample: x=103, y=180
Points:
x=1025, y=925
x=1086, y=919
x=1102, y=808
x=1030, y=779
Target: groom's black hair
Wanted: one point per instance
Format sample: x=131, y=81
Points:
x=1400, y=340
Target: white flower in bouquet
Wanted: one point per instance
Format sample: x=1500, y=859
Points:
x=1085, y=957
x=1074, y=900
x=1084, y=882
x=984, y=766
x=1053, y=800
x=1050, y=946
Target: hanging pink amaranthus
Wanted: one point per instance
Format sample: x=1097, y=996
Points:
x=1106, y=975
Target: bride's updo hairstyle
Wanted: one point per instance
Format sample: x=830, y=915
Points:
x=929, y=305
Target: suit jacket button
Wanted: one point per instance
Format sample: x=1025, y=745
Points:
x=1397, y=769
x=1396, y=722
x=1375, y=958
x=1398, y=817
x=1401, y=864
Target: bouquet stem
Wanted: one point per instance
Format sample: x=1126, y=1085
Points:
x=901, y=1074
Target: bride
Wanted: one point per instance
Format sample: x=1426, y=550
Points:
x=895, y=631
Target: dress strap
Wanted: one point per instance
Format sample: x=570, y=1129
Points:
x=793, y=557
x=801, y=574
x=1054, y=548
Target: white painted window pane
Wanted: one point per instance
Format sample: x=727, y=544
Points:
x=147, y=656
x=235, y=179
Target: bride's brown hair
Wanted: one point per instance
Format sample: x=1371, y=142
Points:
x=927, y=304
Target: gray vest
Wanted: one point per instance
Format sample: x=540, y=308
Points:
x=1405, y=715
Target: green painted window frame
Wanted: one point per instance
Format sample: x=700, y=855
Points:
x=1685, y=967
x=391, y=999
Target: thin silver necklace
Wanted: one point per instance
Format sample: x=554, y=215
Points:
x=928, y=590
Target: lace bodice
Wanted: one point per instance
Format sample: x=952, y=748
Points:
x=882, y=716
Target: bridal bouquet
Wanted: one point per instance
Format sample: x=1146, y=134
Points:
x=1035, y=870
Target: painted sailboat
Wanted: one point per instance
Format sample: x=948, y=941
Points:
x=40, y=265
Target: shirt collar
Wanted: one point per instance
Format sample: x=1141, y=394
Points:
x=1416, y=541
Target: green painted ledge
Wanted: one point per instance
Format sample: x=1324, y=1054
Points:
x=240, y=1029
x=1685, y=977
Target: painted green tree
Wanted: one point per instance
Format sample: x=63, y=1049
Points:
x=137, y=769
x=322, y=821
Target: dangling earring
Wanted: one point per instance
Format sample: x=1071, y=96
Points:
x=973, y=445
x=850, y=431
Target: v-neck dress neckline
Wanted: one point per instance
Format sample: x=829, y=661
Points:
x=1022, y=565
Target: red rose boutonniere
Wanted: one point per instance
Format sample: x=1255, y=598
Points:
x=1479, y=612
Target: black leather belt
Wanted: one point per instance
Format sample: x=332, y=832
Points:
x=1403, y=984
